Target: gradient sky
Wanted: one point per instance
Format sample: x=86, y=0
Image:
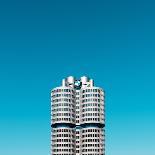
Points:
x=42, y=42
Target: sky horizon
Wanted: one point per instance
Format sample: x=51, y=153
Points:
x=42, y=42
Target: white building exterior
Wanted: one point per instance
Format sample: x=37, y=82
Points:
x=77, y=118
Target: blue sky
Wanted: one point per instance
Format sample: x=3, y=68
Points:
x=42, y=42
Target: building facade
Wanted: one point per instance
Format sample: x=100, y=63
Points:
x=77, y=118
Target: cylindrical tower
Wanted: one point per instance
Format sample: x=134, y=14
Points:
x=63, y=121
x=92, y=120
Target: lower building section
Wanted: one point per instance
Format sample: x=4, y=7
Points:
x=63, y=141
x=77, y=141
x=92, y=141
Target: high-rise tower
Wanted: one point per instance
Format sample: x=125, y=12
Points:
x=77, y=118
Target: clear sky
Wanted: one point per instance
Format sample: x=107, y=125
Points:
x=42, y=42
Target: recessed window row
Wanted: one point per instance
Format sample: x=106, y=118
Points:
x=63, y=104
x=91, y=150
x=90, y=145
x=92, y=99
x=64, y=135
x=77, y=112
x=63, y=145
x=63, y=119
x=91, y=95
x=63, y=95
x=63, y=90
x=77, y=107
x=91, y=119
x=63, y=150
x=90, y=109
x=77, y=93
x=90, y=130
x=90, y=135
x=91, y=140
x=77, y=98
x=64, y=109
x=63, y=130
x=90, y=114
x=77, y=121
x=63, y=140
x=63, y=114
x=63, y=99
x=91, y=104
x=91, y=90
